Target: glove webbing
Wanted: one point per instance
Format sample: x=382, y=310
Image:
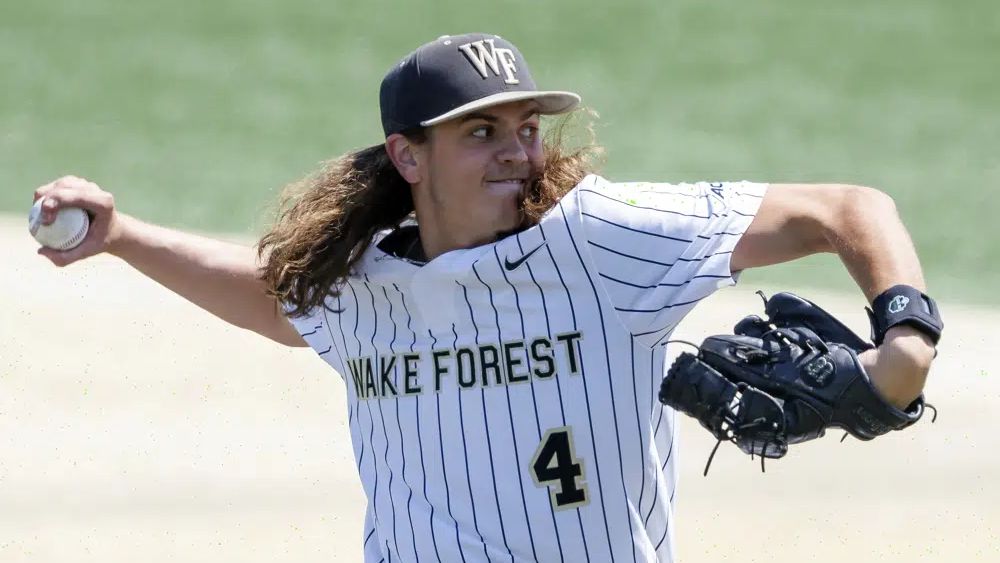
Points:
x=721, y=406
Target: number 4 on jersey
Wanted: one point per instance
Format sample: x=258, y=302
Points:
x=555, y=466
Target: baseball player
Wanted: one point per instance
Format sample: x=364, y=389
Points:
x=498, y=313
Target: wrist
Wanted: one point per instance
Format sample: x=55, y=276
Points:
x=910, y=345
x=120, y=232
x=898, y=368
x=904, y=305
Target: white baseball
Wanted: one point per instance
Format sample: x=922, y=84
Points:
x=66, y=232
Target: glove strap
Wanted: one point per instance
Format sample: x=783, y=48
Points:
x=871, y=416
x=903, y=304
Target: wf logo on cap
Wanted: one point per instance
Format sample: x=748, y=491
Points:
x=485, y=56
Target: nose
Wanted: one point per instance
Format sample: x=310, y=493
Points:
x=513, y=150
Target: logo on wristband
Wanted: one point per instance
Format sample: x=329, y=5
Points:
x=898, y=303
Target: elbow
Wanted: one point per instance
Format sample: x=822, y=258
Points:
x=862, y=201
x=870, y=201
x=856, y=211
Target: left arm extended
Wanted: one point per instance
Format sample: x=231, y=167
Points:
x=863, y=227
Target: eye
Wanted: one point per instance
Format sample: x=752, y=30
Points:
x=529, y=131
x=482, y=132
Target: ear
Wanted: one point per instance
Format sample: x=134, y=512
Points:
x=404, y=155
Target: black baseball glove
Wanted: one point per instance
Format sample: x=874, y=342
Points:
x=782, y=381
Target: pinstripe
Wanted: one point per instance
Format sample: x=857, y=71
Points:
x=657, y=262
x=534, y=399
x=634, y=230
x=314, y=331
x=510, y=412
x=399, y=427
x=653, y=387
x=663, y=537
x=663, y=308
x=357, y=409
x=355, y=402
x=381, y=416
x=621, y=238
x=720, y=253
x=385, y=434
x=670, y=211
x=673, y=488
x=619, y=253
x=655, y=370
x=638, y=427
x=657, y=209
x=665, y=330
x=611, y=388
x=662, y=284
x=695, y=195
x=572, y=312
x=351, y=411
x=656, y=476
x=444, y=470
x=468, y=476
x=371, y=419
x=420, y=440
x=670, y=452
x=709, y=237
x=486, y=426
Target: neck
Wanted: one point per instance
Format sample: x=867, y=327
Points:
x=436, y=241
x=442, y=229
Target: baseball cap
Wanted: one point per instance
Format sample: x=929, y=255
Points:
x=455, y=75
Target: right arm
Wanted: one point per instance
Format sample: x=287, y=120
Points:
x=218, y=276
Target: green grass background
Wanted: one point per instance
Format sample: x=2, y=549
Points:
x=195, y=113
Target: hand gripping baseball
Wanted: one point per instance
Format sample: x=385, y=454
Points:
x=71, y=191
x=782, y=381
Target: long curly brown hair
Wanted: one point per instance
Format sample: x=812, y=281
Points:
x=326, y=221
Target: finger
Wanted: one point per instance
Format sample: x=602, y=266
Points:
x=43, y=190
x=53, y=196
x=77, y=194
x=63, y=181
x=47, y=211
x=55, y=256
x=86, y=196
x=62, y=258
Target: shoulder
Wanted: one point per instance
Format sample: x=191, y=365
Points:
x=599, y=196
x=684, y=199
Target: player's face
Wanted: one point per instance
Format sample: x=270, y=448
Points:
x=478, y=167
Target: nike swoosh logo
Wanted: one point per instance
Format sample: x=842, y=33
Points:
x=513, y=265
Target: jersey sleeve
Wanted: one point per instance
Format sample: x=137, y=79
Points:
x=659, y=249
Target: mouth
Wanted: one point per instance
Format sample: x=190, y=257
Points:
x=508, y=183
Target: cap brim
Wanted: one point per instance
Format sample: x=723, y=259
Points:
x=549, y=103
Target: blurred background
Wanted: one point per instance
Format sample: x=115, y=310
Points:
x=133, y=425
x=196, y=113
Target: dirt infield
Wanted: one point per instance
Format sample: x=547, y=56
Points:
x=134, y=426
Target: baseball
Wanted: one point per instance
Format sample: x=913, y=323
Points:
x=66, y=232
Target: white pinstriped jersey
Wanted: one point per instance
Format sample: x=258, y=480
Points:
x=502, y=398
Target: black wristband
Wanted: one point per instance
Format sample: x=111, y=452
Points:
x=902, y=304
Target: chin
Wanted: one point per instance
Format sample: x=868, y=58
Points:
x=510, y=224
x=497, y=225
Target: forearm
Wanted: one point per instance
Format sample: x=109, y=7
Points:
x=874, y=245
x=876, y=248
x=218, y=276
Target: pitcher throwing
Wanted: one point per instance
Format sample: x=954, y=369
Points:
x=498, y=312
